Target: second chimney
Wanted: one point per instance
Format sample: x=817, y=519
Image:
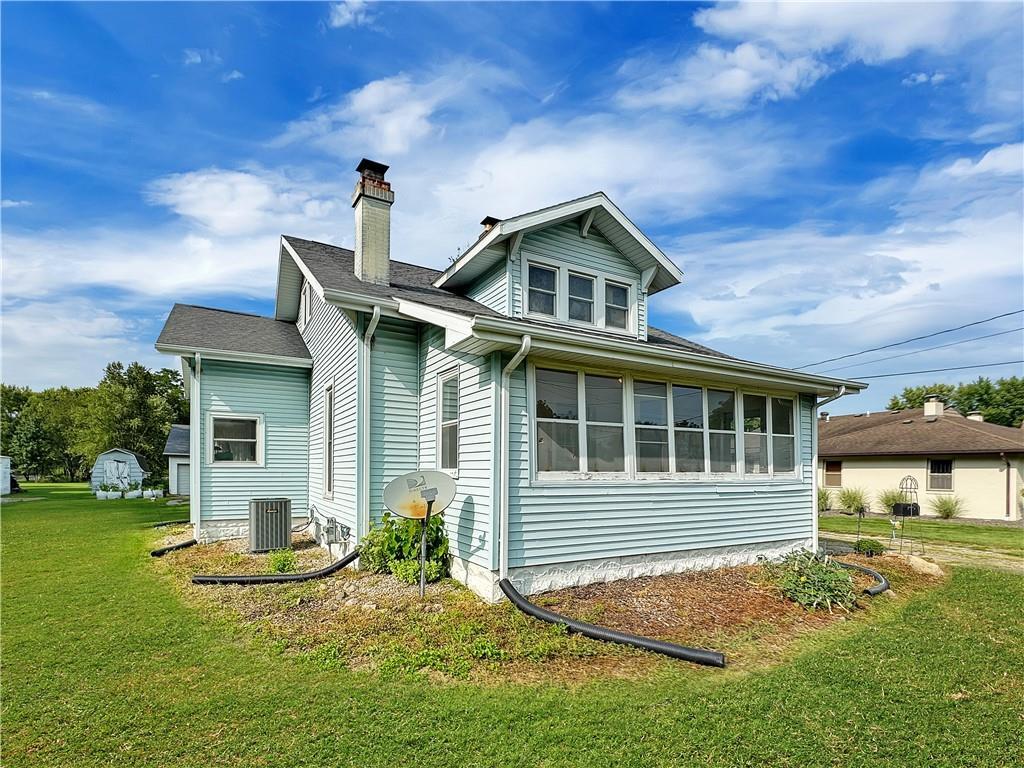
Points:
x=933, y=405
x=372, y=200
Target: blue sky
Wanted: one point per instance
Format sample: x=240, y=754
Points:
x=829, y=177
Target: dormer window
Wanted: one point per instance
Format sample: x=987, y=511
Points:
x=543, y=291
x=616, y=305
x=581, y=298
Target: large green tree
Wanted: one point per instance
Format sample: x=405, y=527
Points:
x=12, y=402
x=1000, y=402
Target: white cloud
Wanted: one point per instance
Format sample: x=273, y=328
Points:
x=194, y=56
x=717, y=80
x=80, y=333
x=1005, y=160
x=921, y=78
x=350, y=13
x=234, y=74
x=15, y=203
x=68, y=103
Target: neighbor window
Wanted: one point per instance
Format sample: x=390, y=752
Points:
x=650, y=411
x=616, y=305
x=235, y=439
x=558, y=427
x=581, y=298
x=688, y=421
x=783, y=435
x=450, y=421
x=543, y=291
x=329, y=440
x=833, y=474
x=940, y=474
x=722, y=430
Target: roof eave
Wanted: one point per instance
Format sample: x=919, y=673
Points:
x=234, y=356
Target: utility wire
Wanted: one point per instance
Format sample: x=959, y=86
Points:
x=940, y=370
x=907, y=341
x=926, y=349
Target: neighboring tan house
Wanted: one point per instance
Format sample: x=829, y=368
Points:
x=178, y=464
x=586, y=444
x=947, y=453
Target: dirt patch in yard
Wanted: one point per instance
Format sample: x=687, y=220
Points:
x=373, y=622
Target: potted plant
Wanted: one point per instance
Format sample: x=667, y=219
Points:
x=134, y=491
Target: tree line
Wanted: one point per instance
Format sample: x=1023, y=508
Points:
x=1000, y=402
x=58, y=432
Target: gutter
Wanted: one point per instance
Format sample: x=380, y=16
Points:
x=195, y=419
x=1006, y=461
x=503, y=423
x=364, y=437
x=814, y=460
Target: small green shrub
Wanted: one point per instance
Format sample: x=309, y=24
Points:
x=408, y=571
x=869, y=547
x=812, y=582
x=282, y=561
x=398, y=539
x=948, y=507
x=852, y=499
x=886, y=499
x=824, y=499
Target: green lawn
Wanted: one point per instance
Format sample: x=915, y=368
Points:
x=103, y=665
x=997, y=538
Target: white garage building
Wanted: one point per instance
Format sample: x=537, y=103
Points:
x=178, y=465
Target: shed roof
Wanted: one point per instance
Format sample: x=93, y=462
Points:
x=190, y=327
x=178, y=441
x=138, y=457
x=910, y=432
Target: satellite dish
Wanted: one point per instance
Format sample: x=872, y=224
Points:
x=408, y=495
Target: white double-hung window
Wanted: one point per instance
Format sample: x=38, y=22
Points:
x=783, y=435
x=722, y=431
x=448, y=422
x=650, y=415
x=688, y=424
x=329, y=441
x=235, y=439
x=581, y=298
x=616, y=305
x=580, y=422
x=542, y=291
x=755, y=434
x=605, y=447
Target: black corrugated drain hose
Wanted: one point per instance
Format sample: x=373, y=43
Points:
x=278, y=578
x=172, y=548
x=167, y=523
x=694, y=655
x=881, y=583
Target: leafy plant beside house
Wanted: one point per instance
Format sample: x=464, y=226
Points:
x=812, y=582
x=282, y=561
x=887, y=498
x=853, y=499
x=869, y=547
x=948, y=507
x=824, y=499
x=394, y=547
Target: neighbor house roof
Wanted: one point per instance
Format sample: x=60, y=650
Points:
x=177, y=441
x=910, y=432
x=222, y=333
x=333, y=268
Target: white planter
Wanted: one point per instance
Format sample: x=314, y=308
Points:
x=101, y=495
x=158, y=493
x=149, y=494
x=109, y=494
x=133, y=494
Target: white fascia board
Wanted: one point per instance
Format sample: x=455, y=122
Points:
x=361, y=302
x=457, y=327
x=236, y=357
x=566, y=341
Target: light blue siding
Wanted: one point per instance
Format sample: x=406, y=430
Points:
x=560, y=523
x=593, y=254
x=331, y=339
x=281, y=396
x=491, y=289
x=468, y=519
x=393, y=406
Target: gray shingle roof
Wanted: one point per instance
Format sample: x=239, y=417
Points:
x=194, y=327
x=333, y=267
x=177, y=441
x=910, y=432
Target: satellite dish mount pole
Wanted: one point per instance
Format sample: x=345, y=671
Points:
x=428, y=495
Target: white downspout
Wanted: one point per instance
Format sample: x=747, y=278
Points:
x=814, y=458
x=503, y=423
x=364, y=438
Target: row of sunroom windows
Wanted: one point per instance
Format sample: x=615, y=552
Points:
x=599, y=423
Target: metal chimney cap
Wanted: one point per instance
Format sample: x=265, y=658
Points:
x=489, y=221
x=372, y=168
x=933, y=397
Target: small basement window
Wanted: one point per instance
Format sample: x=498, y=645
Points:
x=236, y=440
x=940, y=474
x=833, y=474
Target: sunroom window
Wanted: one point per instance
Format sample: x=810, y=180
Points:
x=688, y=421
x=543, y=290
x=558, y=426
x=605, y=448
x=650, y=412
x=722, y=430
x=581, y=298
x=755, y=434
x=783, y=435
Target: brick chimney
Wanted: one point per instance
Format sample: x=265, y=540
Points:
x=372, y=200
x=976, y=416
x=933, y=405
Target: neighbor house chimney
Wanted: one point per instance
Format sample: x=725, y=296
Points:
x=823, y=415
x=488, y=222
x=976, y=416
x=933, y=405
x=372, y=200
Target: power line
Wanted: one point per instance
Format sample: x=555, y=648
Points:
x=940, y=370
x=926, y=349
x=907, y=341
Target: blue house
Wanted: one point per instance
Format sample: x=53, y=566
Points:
x=587, y=445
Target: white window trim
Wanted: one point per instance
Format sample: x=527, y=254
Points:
x=929, y=473
x=562, y=270
x=442, y=377
x=540, y=478
x=327, y=488
x=260, y=439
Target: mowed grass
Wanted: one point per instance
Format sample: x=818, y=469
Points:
x=995, y=538
x=104, y=665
